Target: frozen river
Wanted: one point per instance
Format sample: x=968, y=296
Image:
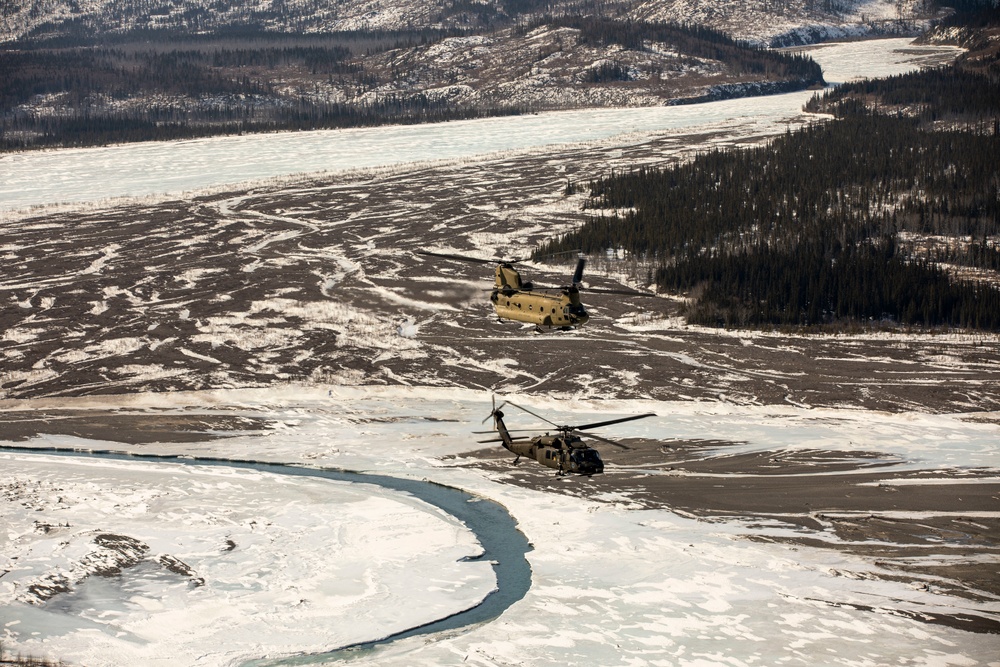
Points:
x=155, y=168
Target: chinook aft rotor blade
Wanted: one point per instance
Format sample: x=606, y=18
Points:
x=465, y=258
x=614, y=421
x=602, y=290
x=578, y=272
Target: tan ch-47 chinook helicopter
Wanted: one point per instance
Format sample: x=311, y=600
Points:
x=566, y=451
x=514, y=299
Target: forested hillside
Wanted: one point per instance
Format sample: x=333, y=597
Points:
x=888, y=214
x=104, y=71
x=765, y=22
x=67, y=91
x=965, y=94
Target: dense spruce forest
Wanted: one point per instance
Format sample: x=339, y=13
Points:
x=888, y=215
x=868, y=218
x=69, y=91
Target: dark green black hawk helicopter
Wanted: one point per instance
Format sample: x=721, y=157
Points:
x=565, y=450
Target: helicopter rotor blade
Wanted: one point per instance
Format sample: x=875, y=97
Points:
x=501, y=440
x=495, y=408
x=578, y=272
x=461, y=258
x=534, y=414
x=517, y=430
x=614, y=421
x=542, y=258
x=602, y=439
x=466, y=258
x=603, y=290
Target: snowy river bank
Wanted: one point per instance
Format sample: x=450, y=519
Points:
x=503, y=545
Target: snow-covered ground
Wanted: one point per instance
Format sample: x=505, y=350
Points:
x=317, y=564
x=797, y=21
x=234, y=563
x=41, y=178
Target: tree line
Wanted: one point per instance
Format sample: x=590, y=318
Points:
x=954, y=93
x=694, y=41
x=821, y=226
x=116, y=94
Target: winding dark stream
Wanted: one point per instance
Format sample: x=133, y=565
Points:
x=503, y=544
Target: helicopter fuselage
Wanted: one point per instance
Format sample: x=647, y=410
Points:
x=514, y=300
x=565, y=453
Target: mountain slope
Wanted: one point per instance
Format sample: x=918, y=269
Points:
x=790, y=22
x=765, y=21
x=171, y=88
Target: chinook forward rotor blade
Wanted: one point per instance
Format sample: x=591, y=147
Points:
x=614, y=421
x=510, y=430
x=501, y=440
